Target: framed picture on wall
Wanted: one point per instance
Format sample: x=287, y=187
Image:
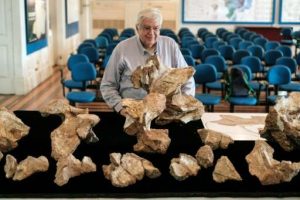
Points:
x=36, y=24
x=72, y=17
x=289, y=12
x=228, y=12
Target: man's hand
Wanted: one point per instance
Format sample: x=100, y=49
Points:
x=123, y=112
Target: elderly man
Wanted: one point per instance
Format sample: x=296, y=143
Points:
x=133, y=52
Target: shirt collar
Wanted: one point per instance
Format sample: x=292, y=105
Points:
x=142, y=49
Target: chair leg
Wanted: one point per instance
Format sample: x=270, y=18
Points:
x=231, y=108
x=212, y=108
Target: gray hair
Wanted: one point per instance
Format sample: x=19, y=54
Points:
x=150, y=13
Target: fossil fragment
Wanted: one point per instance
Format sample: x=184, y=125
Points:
x=205, y=156
x=282, y=123
x=154, y=77
x=144, y=111
x=214, y=139
x=12, y=129
x=268, y=170
x=69, y=167
x=183, y=167
x=127, y=169
x=224, y=170
x=153, y=141
x=77, y=125
x=25, y=168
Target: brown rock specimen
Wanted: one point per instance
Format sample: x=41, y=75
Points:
x=77, y=125
x=205, y=156
x=10, y=166
x=69, y=167
x=268, y=170
x=157, y=78
x=142, y=112
x=214, y=139
x=181, y=108
x=282, y=123
x=224, y=170
x=25, y=168
x=125, y=170
x=153, y=141
x=12, y=129
x=183, y=167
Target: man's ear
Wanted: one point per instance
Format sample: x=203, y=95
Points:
x=136, y=27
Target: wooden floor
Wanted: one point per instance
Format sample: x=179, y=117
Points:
x=52, y=89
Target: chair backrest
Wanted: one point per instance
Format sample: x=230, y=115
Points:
x=75, y=59
x=256, y=50
x=285, y=50
x=83, y=46
x=84, y=71
x=102, y=42
x=226, y=51
x=253, y=62
x=245, y=44
x=289, y=62
x=261, y=42
x=271, y=45
x=205, y=73
x=271, y=56
x=197, y=50
x=218, y=43
x=92, y=53
x=218, y=61
x=91, y=41
x=235, y=42
x=189, y=60
x=208, y=52
x=209, y=41
x=239, y=54
x=186, y=51
x=278, y=75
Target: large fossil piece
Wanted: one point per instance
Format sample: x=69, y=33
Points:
x=205, y=156
x=157, y=78
x=224, y=170
x=76, y=126
x=70, y=167
x=140, y=113
x=25, y=168
x=214, y=139
x=283, y=122
x=183, y=167
x=12, y=129
x=153, y=141
x=268, y=170
x=127, y=169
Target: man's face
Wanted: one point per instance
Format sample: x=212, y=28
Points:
x=148, y=32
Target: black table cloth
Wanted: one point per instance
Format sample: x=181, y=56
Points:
x=184, y=139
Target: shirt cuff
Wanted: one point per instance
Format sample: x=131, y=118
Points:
x=118, y=107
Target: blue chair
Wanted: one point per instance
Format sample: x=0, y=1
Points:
x=197, y=50
x=226, y=51
x=235, y=42
x=245, y=44
x=93, y=55
x=190, y=60
x=186, y=51
x=83, y=46
x=219, y=62
x=261, y=42
x=271, y=56
x=285, y=50
x=208, y=52
x=82, y=72
x=206, y=73
x=254, y=63
x=277, y=75
x=271, y=45
x=218, y=43
x=209, y=41
x=286, y=35
x=257, y=50
x=239, y=54
x=71, y=63
x=249, y=100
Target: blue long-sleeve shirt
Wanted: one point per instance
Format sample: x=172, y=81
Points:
x=126, y=57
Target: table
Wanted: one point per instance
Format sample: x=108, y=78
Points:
x=112, y=139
